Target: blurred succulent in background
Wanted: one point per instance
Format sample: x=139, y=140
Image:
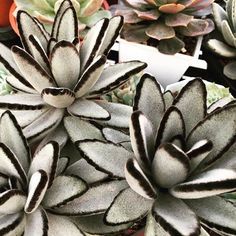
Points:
x=57, y=76
x=226, y=45
x=165, y=23
x=88, y=12
x=125, y=94
x=4, y=87
x=181, y=164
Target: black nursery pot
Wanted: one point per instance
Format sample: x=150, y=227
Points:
x=215, y=71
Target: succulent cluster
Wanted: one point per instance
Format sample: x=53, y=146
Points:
x=177, y=162
x=165, y=22
x=88, y=12
x=57, y=76
x=170, y=170
x=226, y=45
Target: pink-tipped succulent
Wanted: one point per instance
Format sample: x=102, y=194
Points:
x=165, y=21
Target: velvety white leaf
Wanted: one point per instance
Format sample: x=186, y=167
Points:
x=86, y=171
x=149, y=100
x=142, y=139
x=95, y=225
x=37, y=187
x=199, y=152
x=88, y=109
x=80, y=129
x=61, y=226
x=58, y=97
x=118, y=137
x=44, y=124
x=63, y=163
x=12, y=201
x=36, y=223
x=21, y=102
x=12, y=225
x=193, y=93
x=16, y=80
x=120, y=114
x=174, y=216
x=170, y=165
x=171, y=126
x=128, y=206
x=58, y=135
x=101, y=155
x=64, y=190
x=219, y=103
x=138, y=181
x=28, y=26
x=96, y=200
x=28, y=67
x=114, y=76
x=113, y=30
x=26, y=117
x=90, y=76
x=216, y=213
x=211, y=129
x=206, y=184
x=12, y=135
x=63, y=6
x=91, y=43
x=168, y=98
x=68, y=25
x=38, y=53
x=10, y=165
x=227, y=160
x=46, y=159
x=65, y=64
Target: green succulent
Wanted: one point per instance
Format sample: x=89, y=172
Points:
x=5, y=88
x=87, y=11
x=165, y=22
x=225, y=46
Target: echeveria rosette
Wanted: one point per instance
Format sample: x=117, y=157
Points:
x=166, y=22
x=56, y=76
x=88, y=12
x=178, y=165
x=31, y=187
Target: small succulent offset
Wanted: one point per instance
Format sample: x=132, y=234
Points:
x=181, y=163
x=56, y=76
x=88, y=12
x=166, y=22
x=226, y=45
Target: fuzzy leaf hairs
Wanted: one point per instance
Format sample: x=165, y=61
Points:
x=57, y=75
x=179, y=163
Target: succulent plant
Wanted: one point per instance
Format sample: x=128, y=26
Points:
x=4, y=87
x=88, y=12
x=226, y=45
x=56, y=76
x=165, y=22
x=178, y=165
x=34, y=191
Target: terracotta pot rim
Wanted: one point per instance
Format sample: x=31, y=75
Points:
x=13, y=22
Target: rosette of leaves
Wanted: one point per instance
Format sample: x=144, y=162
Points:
x=165, y=23
x=88, y=12
x=32, y=186
x=34, y=190
x=178, y=164
x=56, y=76
x=225, y=46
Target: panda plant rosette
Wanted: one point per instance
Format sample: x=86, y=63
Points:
x=55, y=75
x=178, y=162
